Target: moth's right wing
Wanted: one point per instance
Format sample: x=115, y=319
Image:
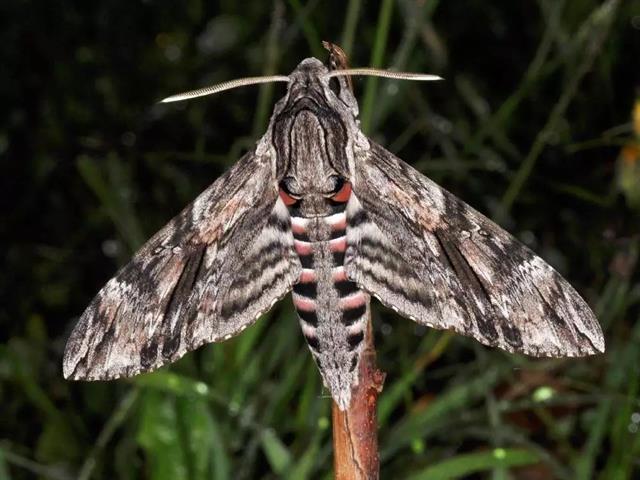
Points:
x=207, y=275
x=434, y=259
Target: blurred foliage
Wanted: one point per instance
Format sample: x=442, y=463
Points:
x=533, y=126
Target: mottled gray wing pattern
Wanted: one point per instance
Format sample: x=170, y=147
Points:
x=434, y=259
x=207, y=275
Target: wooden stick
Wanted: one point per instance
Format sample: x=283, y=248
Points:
x=355, y=430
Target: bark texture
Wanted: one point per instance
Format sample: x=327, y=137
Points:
x=355, y=430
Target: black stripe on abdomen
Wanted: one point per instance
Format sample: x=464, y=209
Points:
x=345, y=287
x=306, y=289
x=352, y=315
x=306, y=260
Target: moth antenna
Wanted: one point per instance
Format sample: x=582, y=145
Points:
x=221, y=87
x=376, y=72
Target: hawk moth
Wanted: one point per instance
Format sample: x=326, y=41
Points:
x=319, y=209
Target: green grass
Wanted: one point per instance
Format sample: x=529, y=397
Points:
x=528, y=127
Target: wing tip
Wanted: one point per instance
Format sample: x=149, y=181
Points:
x=589, y=338
x=597, y=346
x=67, y=373
x=69, y=366
x=594, y=346
x=70, y=372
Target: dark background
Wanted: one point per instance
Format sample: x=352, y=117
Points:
x=533, y=126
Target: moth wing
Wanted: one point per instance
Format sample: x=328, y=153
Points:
x=434, y=259
x=206, y=276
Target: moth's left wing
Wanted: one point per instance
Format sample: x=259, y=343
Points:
x=434, y=259
x=207, y=275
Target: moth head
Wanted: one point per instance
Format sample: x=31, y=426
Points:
x=311, y=78
x=318, y=109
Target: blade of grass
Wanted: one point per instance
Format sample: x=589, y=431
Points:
x=539, y=67
x=309, y=410
x=304, y=466
x=624, y=449
x=246, y=343
x=467, y=464
x=265, y=360
x=415, y=14
x=39, y=470
x=174, y=383
x=382, y=31
x=518, y=437
x=26, y=379
x=201, y=440
x=4, y=469
x=601, y=421
x=495, y=423
x=284, y=392
x=114, y=422
x=422, y=422
x=112, y=196
x=158, y=436
x=308, y=28
x=583, y=194
x=265, y=96
x=349, y=28
x=393, y=394
x=220, y=460
x=277, y=453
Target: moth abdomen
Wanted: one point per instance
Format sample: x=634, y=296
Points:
x=331, y=308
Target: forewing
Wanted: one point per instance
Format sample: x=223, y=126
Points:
x=432, y=258
x=207, y=275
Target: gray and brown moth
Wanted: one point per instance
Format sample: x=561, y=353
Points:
x=319, y=209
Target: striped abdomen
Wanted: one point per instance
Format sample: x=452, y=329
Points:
x=331, y=308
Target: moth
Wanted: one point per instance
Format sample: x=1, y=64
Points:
x=319, y=209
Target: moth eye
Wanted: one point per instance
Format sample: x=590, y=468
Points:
x=289, y=197
x=336, y=183
x=334, y=85
x=341, y=191
x=288, y=185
